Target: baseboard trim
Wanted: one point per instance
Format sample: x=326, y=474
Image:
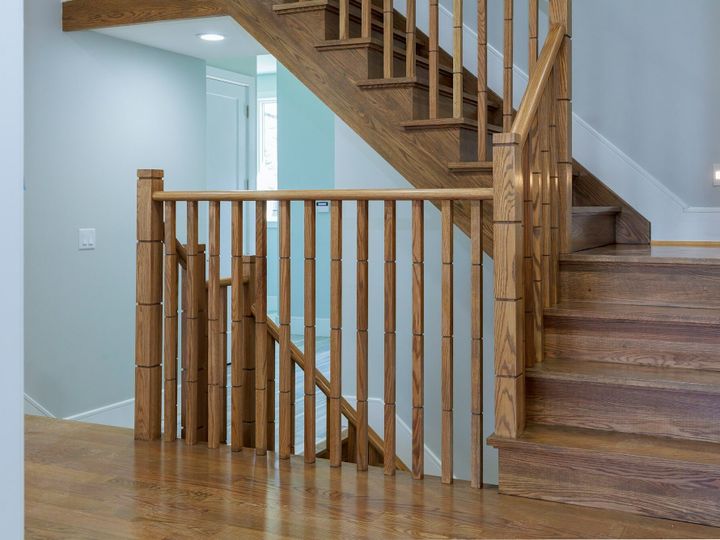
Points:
x=38, y=407
x=688, y=243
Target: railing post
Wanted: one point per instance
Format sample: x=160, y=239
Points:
x=561, y=13
x=508, y=253
x=148, y=311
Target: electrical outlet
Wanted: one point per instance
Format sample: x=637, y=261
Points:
x=86, y=239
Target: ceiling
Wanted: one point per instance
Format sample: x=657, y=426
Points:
x=182, y=37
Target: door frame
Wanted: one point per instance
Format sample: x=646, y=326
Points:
x=248, y=82
x=222, y=75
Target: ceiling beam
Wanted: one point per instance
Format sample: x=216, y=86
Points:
x=96, y=14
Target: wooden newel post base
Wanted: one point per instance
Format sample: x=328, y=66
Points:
x=148, y=312
x=508, y=254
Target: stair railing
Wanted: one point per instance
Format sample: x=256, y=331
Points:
x=205, y=327
x=532, y=170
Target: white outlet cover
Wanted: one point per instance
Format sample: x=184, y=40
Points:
x=86, y=239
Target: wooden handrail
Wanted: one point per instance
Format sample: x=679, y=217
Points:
x=323, y=385
x=459, y=194
x=538, y=82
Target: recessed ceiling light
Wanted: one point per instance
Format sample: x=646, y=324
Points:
x=211, y=37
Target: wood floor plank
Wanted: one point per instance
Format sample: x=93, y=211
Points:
x=155, y=490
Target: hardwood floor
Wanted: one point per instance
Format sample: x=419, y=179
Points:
x=89, y=481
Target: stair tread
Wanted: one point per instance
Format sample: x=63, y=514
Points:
x=471, y=166
x=419, y=83
x=595, y=210
x=634, y=313
x=609, y=442
x=628, y=253
x=627, y=375
x=438, y=123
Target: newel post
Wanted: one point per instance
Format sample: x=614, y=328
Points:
x=561, y=13
x=508, y=256
x=148, y=311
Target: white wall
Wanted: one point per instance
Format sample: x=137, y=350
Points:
x=97, y=109
x=359, y=166
x=11, y=273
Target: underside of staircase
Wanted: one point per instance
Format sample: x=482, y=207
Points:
x=623, y=411
x=391, y=115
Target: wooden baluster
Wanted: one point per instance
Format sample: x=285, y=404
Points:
x=237, y=347
x=310, y=315
x=533, y=33
x=508, y=68
x=388, y=38
x=261, y=334
x=508, y=255
x=544, y=128
x=248, y=352
x=334, y=433
x=362, y=335
x=293, y=401
x=365, y=18
x=458, y=59
x=561, y=13
x=390, y=337
x=434, y=59
x=476, y=360
x=170, y=303
x=270, y=392
x=285, y=360
x=447, y=342
x=554, y=195
x=184, y=348
x=148, y=310
x=344, y=19
x=203, y=368
x=223, y=356
x=195, y=282
x=418, y=339
x=214, y=345
x=482, y=81
x=410, y=44
x=533, y=246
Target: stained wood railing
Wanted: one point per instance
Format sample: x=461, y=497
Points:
x=204, y=355
x=532, y=170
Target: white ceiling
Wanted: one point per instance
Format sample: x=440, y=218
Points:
x=181, y=37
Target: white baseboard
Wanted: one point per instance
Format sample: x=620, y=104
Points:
x=120, y=414
x=403, y=435
x=35, y=408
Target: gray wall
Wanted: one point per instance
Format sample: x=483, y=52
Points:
x=11, y=270
x=97, y=109
x=645, y=77
x=359, y=166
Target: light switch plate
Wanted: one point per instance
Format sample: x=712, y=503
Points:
x=322, y=207
x=86, y=239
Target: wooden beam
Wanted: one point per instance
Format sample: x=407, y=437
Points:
x=96, y=14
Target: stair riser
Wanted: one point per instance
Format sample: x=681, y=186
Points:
x=684, y=285
x=640, y=343
x=611, y=407
x=674, y=490
x=320, y=23
x=457, y=143
x=591, y=231
x=411, y=102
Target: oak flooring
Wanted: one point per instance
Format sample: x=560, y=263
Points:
x=89, y=481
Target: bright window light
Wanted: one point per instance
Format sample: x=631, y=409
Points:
x=211, y=37
x=716, y=175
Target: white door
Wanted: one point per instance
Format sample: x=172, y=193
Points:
x=227, y=150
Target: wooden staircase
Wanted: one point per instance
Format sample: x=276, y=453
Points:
x=607, y=389
x=623, y=413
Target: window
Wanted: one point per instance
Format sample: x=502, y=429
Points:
x=267, y=178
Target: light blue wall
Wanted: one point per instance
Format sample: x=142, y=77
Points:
x=11, y=270
x=97, y=109
x=306, y=150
